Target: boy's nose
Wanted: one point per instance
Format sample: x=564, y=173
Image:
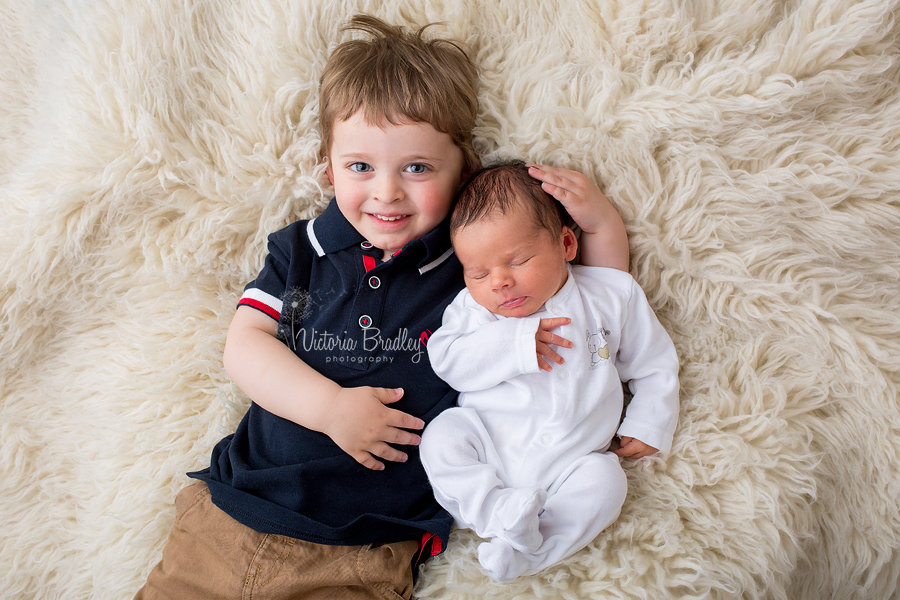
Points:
x=387, y=189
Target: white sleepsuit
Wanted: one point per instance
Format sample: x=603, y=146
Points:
x=523, y=460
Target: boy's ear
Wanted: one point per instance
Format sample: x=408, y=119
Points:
x=328, y=171
x=569, y=242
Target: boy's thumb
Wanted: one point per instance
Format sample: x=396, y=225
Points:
x=393, y=395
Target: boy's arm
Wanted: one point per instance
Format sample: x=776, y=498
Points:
x=604, y=242
x=277, y=380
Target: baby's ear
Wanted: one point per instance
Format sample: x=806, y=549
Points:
x=328, y=171
x=569, y=242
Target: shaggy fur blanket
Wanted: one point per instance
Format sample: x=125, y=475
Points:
x=752, y=147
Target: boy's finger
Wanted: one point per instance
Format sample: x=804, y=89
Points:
x=559, y=192
x=402, y=420
x=561, y=178
x=386, y=452
x=388, y=395
x=369, y=462
x=545, y=170
x=402, y=437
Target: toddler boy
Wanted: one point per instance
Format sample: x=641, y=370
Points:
x=320, y=491
x=524, y=460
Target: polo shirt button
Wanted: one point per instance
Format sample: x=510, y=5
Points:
x=374, y=283
x=563, y=374
x=367, y=245
x=547, y=439
x=365, y=321
x=556, y=309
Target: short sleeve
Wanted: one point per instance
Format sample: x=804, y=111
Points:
x=286, y=271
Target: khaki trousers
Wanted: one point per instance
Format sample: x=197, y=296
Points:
x=209, y=555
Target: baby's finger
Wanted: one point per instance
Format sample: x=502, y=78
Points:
x=633, y=448
x=546, y=352
x=627, y=449
x=550, y=323
x=556, y=340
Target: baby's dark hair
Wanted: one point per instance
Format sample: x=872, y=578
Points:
x=501, y=188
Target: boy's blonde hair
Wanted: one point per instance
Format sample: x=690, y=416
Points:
x=397, y=76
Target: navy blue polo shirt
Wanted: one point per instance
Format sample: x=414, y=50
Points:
x=359, y=321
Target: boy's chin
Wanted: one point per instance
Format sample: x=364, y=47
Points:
x=391, y=244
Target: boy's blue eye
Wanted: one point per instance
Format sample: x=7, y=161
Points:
x=417, y=168
x=360, y=167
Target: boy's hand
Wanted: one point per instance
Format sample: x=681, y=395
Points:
x=575, y=191
x=544, y=339
x=634, y=448
x=605, y=242
x=363, y=427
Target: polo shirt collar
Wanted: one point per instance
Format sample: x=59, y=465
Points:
x=331, y=232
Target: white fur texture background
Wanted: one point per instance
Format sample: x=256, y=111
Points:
x=752, y=147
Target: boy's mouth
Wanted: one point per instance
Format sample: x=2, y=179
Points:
x=388, y=218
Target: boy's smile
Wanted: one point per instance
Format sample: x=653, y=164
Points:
x=393, y=183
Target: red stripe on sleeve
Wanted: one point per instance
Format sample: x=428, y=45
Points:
x=260, y=306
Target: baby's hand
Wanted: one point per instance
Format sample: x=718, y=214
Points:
x=634, y=448
x=544, y=339
x=362, y=426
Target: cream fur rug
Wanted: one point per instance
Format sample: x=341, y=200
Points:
x=752, y=146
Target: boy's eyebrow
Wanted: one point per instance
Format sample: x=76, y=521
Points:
x=418, y=156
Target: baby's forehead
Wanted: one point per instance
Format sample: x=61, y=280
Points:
x=499, y=235
x=518, y=211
